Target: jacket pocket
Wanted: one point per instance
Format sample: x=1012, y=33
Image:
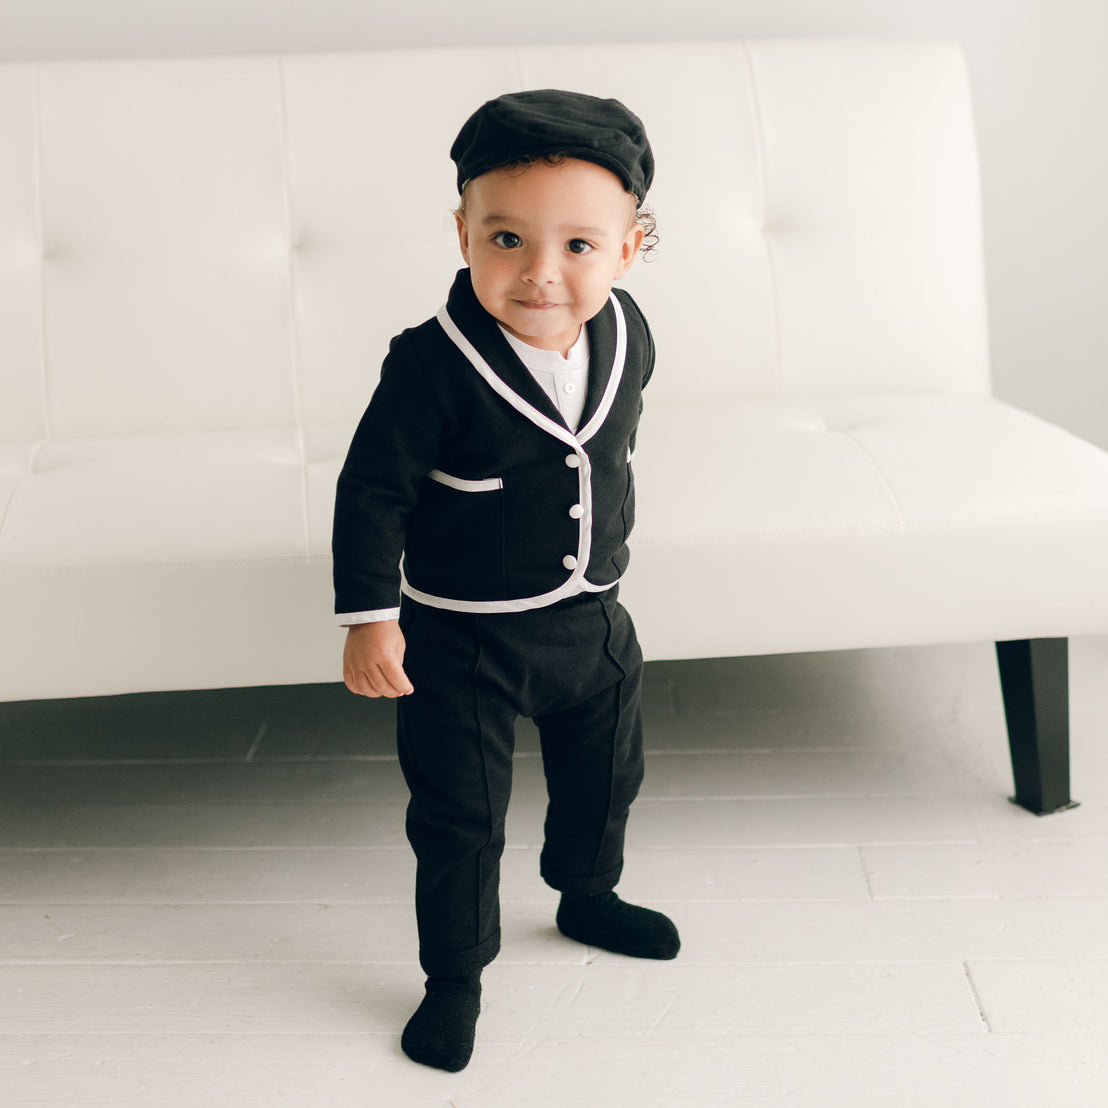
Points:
x=454, y=545
x=487, y=484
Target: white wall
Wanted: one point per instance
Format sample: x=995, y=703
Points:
x=1037, y=66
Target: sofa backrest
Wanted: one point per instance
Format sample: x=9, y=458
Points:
x=230, y=243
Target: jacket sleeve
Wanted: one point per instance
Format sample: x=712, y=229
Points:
x=396, y=444
x=639, y=334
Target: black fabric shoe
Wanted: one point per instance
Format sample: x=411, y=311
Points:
x=441, y=1031
x=607, y=922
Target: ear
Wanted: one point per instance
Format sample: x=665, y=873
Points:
x=463, y=233
x=629, y=251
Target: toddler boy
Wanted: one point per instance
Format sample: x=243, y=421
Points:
x=495, y=455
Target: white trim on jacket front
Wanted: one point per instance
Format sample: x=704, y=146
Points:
x=579, y=459
x=608, y=399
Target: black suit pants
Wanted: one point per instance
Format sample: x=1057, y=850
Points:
x=575, y=668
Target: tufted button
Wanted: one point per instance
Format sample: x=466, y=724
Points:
x=569, y=561
x=576, y=512
x=573, y=461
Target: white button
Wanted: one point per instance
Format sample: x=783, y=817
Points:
x=576, y=512
x=573, y=461
x=569, y=386
x=569, y=561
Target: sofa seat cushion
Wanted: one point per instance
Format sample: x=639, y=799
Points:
x=174, y=498
x=151, y=562
x=763, y=527
x=853, y=522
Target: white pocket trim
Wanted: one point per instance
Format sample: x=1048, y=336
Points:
x=489, y=484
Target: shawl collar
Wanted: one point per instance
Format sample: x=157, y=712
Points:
x=482, y=330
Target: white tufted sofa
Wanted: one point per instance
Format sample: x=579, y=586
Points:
x=202, y=261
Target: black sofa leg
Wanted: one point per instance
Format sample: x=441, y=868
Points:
x=1034, y=679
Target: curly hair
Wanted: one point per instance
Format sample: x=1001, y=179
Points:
x=649, y=222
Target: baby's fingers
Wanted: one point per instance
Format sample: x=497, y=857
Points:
x=392, y=680
x=373, y=660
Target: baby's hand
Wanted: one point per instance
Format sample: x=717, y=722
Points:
x=372, y=660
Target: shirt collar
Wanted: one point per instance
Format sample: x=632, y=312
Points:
x=550, y=361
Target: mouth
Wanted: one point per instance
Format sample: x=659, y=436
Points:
x=538, y=305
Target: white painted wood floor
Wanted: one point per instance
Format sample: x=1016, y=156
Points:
x=205, y=902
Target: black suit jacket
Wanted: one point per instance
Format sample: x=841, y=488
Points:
x=462, y=464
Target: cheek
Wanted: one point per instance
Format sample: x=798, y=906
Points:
x=599, y=279
x=489, y=281
x=496, y=269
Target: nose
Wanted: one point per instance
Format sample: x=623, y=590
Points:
x=540, y=266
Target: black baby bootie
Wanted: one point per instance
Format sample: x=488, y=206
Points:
x=607, y=922
x=441, y=1031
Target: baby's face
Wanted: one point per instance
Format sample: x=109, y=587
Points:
x=544, y=244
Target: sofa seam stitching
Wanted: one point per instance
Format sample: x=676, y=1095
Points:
x=40, y=226
x=290, y=272
x=760, y=153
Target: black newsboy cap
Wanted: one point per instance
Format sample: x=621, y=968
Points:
x=549, y=121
